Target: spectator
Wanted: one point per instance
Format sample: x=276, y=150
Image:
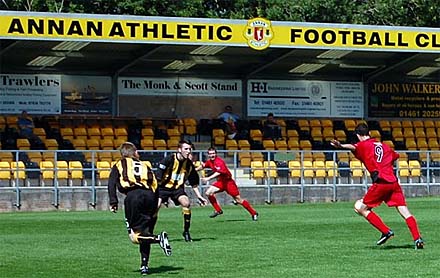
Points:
x=231, y=119
x=271, y=129
x=25, y=125
x=26, y=128
x=228, y=116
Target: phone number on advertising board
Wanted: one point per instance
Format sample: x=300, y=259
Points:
x=419, y=114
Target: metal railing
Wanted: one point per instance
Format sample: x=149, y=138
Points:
x=31, y=176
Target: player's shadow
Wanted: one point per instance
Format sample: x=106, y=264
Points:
x=195, y=239
x=164, y=269
x=234, y=220
x=391, y=247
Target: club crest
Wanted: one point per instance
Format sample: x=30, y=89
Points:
x=258, y=33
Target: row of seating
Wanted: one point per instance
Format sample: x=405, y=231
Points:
x=67, y=173
x=325, y=171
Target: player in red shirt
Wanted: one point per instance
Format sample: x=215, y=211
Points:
x=379, y=158
x=224, y=183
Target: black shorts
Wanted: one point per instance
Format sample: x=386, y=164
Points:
x=173, y=194
x=140, y=208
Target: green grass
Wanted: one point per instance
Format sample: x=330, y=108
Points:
x=298, y=240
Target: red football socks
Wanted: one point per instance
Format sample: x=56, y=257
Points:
x=375, y=220
x=413, y=228
x=214, y=203
x=248, y=207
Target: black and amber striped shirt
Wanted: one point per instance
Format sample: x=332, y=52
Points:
x=173, y=173
x=128, y=174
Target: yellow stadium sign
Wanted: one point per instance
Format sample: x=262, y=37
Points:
x=257, y=33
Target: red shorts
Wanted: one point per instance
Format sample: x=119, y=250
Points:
x=390, y=193
x=229, y=186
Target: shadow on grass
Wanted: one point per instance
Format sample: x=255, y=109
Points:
x=194, y=239
x=164, y=269
x=391, y=247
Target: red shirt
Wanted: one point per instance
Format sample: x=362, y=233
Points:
x=377, y=156
x=218, y=165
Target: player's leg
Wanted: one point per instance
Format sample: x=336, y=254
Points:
x=186, y=211
x=364, y=210
x=232, y=190
x=411, y=222
x=210, y=193
x=397, y=200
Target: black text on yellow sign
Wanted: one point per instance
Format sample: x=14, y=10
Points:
x=117, y=30
x=364, y=38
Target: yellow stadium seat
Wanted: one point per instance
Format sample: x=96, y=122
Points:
x=106, y=144
x=316, y=134
x=357, y=170
x=40, y=132
x=103, y=168
x=350, y=124
x=293, y=144
x=76, y=173
x=244, y=144
x=23, y=144
x=231, y=144
x=433, y=144
x=256, y=135
x=160, y=144
x=403, y=169
x=93, y=144
x=431, y=133
x=257, y=170
x=340, y=135
x=292, y=134
x=147, y=144
x=35, y=156
x=328, y=134
x=257, y=156
x=80, y=133
x=190, y=126
x=47, y=172
x=120, y=132
x=428, y=124
x=268, y=144
x=308, y=171
x=51, y=144
x=281, y=145
x=5, y=173
x=415, y=168
x=270, y=169
x=172, y=144
x=94, y=133
x=304, y=124
x=173, y=133
x=245, y=159
x=218, y=136
x=295, y=169
x=147, y=133
x=422, y=144
x=332, y=168
x=305, y=145
x=79, y=144
x=397, y=134
x=62, y=172
x=118, y=142
x=105, y=156
x=107, y=132
x=319, y=168
x=385, y=125
x=375, y=134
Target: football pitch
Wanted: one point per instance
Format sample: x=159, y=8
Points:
x=297, y=240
